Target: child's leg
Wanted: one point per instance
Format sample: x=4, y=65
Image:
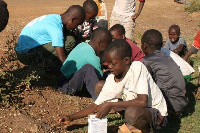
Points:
x=98, y=87
x=85, y=75
x=140, y=118
x=129, y=26
x=144, y=119
x=114, y=19
x=70, y=43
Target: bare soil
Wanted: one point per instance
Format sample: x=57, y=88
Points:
x=42, y=104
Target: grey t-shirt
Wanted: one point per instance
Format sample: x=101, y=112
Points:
x=168, y=77
x=169, y=45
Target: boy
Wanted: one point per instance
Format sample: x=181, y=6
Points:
x=193, y=50
x=124, y=13
x=164, y=71
x=4, y=15
x=132, y=83
x=176, y=43
x=83, y=64
x=44, y=36
x=85, y=30
x=118, y=32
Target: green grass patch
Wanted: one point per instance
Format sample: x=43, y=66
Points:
x=194, y=6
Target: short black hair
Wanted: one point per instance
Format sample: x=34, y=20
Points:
x=103, y=34
x=4, y=15
x=153, y=38
x=78, y=11
x=121, y=47
x=90, y=6
x=176, y=27
x=119, y=28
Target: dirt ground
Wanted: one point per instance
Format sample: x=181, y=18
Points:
x=41, y=105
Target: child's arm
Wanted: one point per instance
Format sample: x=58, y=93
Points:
x=179, y=49
x=83, y=113
x=60, y=51
x=103, y=109
x=139, y=10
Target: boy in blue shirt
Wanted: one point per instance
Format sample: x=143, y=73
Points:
x=44, y=35
x=83, y=64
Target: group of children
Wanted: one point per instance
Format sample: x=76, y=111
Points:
x=148, y=84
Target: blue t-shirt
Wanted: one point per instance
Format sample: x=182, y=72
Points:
x=42, y=30
x=81, y=55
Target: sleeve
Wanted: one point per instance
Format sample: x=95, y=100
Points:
x=182, y=41
x=167, y=45
x=141, y=79
x=107, y=93
x=56, y=35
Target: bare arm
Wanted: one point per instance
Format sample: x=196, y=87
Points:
x=179, y=49
x=60, y=51
x=188, y=54
x=104, y=109
x=139, y=10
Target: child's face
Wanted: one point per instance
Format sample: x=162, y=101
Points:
x=115, y=35
x=173, y=35
x=116, y=65
x=90, y=16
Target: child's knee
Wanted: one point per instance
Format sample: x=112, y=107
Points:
x=99, y=86
x=133, y=114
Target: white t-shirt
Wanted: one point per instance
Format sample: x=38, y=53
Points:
x=124, y=7
x=185, y=68
x=137, y=81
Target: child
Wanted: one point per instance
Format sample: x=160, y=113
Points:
x=193, y=50
x=4, y=15
x=132, y=83
x=176, y=43
x=164, y=71
x=124, y=13
x=44, y=35
x=83, y=64
x=118, y=32
x=85, y=30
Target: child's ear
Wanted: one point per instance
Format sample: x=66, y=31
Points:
x=99, y=42
x=145, y=46
x=73, y=19
x=127, y=60
x=123, y=36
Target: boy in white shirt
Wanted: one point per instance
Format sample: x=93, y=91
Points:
x=124, y=13
x=144, y=104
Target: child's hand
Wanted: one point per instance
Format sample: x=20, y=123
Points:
x=64, y=120
x=135, y=15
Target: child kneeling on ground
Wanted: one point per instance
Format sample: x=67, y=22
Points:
x=83, y=64
x=144, y=104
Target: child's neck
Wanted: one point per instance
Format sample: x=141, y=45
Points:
x=121, y=76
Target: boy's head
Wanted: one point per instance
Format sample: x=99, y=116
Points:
x=91, y=9
x=174, y=33
x=117, y=31
x=4, y=15
x=118, y=57
x=100, y=39
x=74, y=16
x=151, y=40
